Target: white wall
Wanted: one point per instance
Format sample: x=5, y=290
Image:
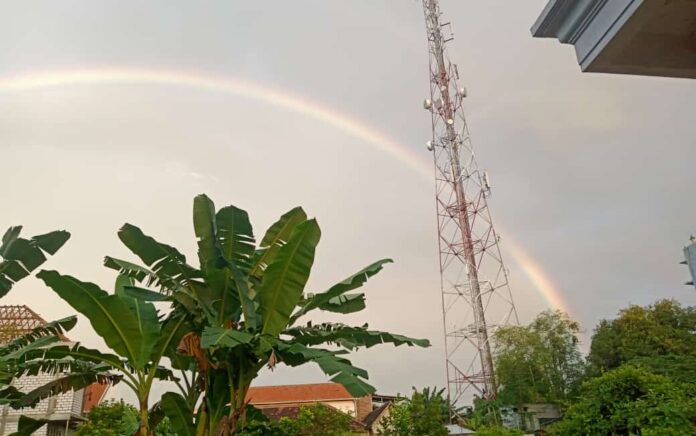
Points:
x=69, y=403
x=346, y=406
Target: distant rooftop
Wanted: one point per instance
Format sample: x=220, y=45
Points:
x=298, y=393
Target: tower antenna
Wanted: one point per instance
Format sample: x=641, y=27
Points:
x=476, y=297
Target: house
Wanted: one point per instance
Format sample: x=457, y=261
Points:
x=645, y=37
x=373, y=421
x=286, y=400
x=65, y=411
x=531, y=417
x=538, y=415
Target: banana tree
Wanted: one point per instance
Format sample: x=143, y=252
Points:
x=130, y=327
x=244, y=303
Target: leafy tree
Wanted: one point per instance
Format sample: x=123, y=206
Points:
x=258, y=424
x=398, y=422
x=116, y=418
x=316, y=420
x=312, y=420
x=164, y=428
x=631, y=401
x=659, y=337
x=680, y=368
x=231, y=316
x=485, y=413
x=429, y=411
x=112, y=418
x=540, y=362
x=262, y=428
x=424, y=414
x=498, y=431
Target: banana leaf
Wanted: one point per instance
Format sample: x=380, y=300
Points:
x=128, y=326
x=22, y=256
x=330, y=301
x=285, y=278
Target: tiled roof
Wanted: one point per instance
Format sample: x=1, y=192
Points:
x=93, y=395
x=297, y=393
x=376, y=413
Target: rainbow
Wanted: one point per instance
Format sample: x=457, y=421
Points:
x=274, y=97
x=228, y=85
x=534, y=272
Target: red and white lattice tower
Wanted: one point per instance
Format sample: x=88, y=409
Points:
x=476, y=298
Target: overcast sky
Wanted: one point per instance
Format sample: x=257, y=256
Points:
x=593, y=175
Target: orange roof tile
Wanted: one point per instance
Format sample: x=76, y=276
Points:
x=297, y=393
x=93, y=395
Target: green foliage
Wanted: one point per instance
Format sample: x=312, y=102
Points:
x=262, y=428
x=285, y=279
x=540, y=362
x=655, y=337
x=312, y=420
x=316, y=420
x=129, y=326
x=257, y=424
x=235, y=313
x=28, y=426
x=645, y=373
x=680, y=368
x=178, y=414
x=15, y=360
x=111, y=418
x=630, y=400
x=399, y=422
x=165, y=428
x=498, y=431
x=424, y=414
x=483, y=414
x=116, y=418
x=19, y=256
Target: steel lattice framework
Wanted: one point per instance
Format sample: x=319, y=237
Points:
x=16, y=321
x=476, y=298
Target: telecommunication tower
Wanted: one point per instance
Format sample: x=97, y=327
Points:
x=476, y=298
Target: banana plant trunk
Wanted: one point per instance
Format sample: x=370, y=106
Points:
x=239, y=382
x=144, y=429
x=237, y=415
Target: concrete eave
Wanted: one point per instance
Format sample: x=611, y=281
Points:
x=646, y=37
x=53, y=417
